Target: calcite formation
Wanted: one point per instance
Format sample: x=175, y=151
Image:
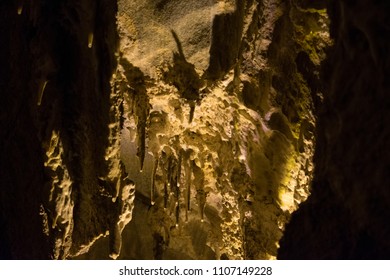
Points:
x=219, y=111
x=158, y=129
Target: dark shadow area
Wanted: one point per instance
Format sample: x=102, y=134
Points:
x=347, y=215
x=184, y=77
x=226, y=41
x=54, y=84
x=140, y=104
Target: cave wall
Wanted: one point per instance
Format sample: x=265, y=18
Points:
x=346, y=216
x=61, y=174
x=191, y=122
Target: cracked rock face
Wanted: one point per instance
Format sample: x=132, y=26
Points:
x=158, y=129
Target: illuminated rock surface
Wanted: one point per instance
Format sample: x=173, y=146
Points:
x=221, y=120
x=164, y=129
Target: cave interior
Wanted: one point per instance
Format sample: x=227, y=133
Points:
x=196, y=129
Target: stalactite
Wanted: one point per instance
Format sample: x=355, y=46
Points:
x=140, y=106
x=163, y=161
x=115, y=241
x=177, y=206
x=202, y=202
x=174, y=177
x=192, y=110
x=187, y=183
x=178, y=184
x=20, y=8
x=153, y=186
x=179, y=165
x=142, y=111
x=171, y=183
x=165, y=194
x=42, y=86
x=141, y=144
x=200, y=192
x=90, y=39
x=169, y=175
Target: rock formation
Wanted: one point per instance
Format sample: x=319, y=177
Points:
x=62, y=182
x=172, y=129
x=346, y=216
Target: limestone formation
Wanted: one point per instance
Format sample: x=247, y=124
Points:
x=171, y=129
x=228, y=141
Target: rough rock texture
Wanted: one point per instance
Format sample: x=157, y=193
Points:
x=219, y=110
x=346, y=217
x=62, y=181
x=208, y=103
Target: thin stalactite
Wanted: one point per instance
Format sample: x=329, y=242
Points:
x=153, y=185
x=166, y=195
x=187, y=183
x=192, y=111
x=141, y=144
x=177, y=206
